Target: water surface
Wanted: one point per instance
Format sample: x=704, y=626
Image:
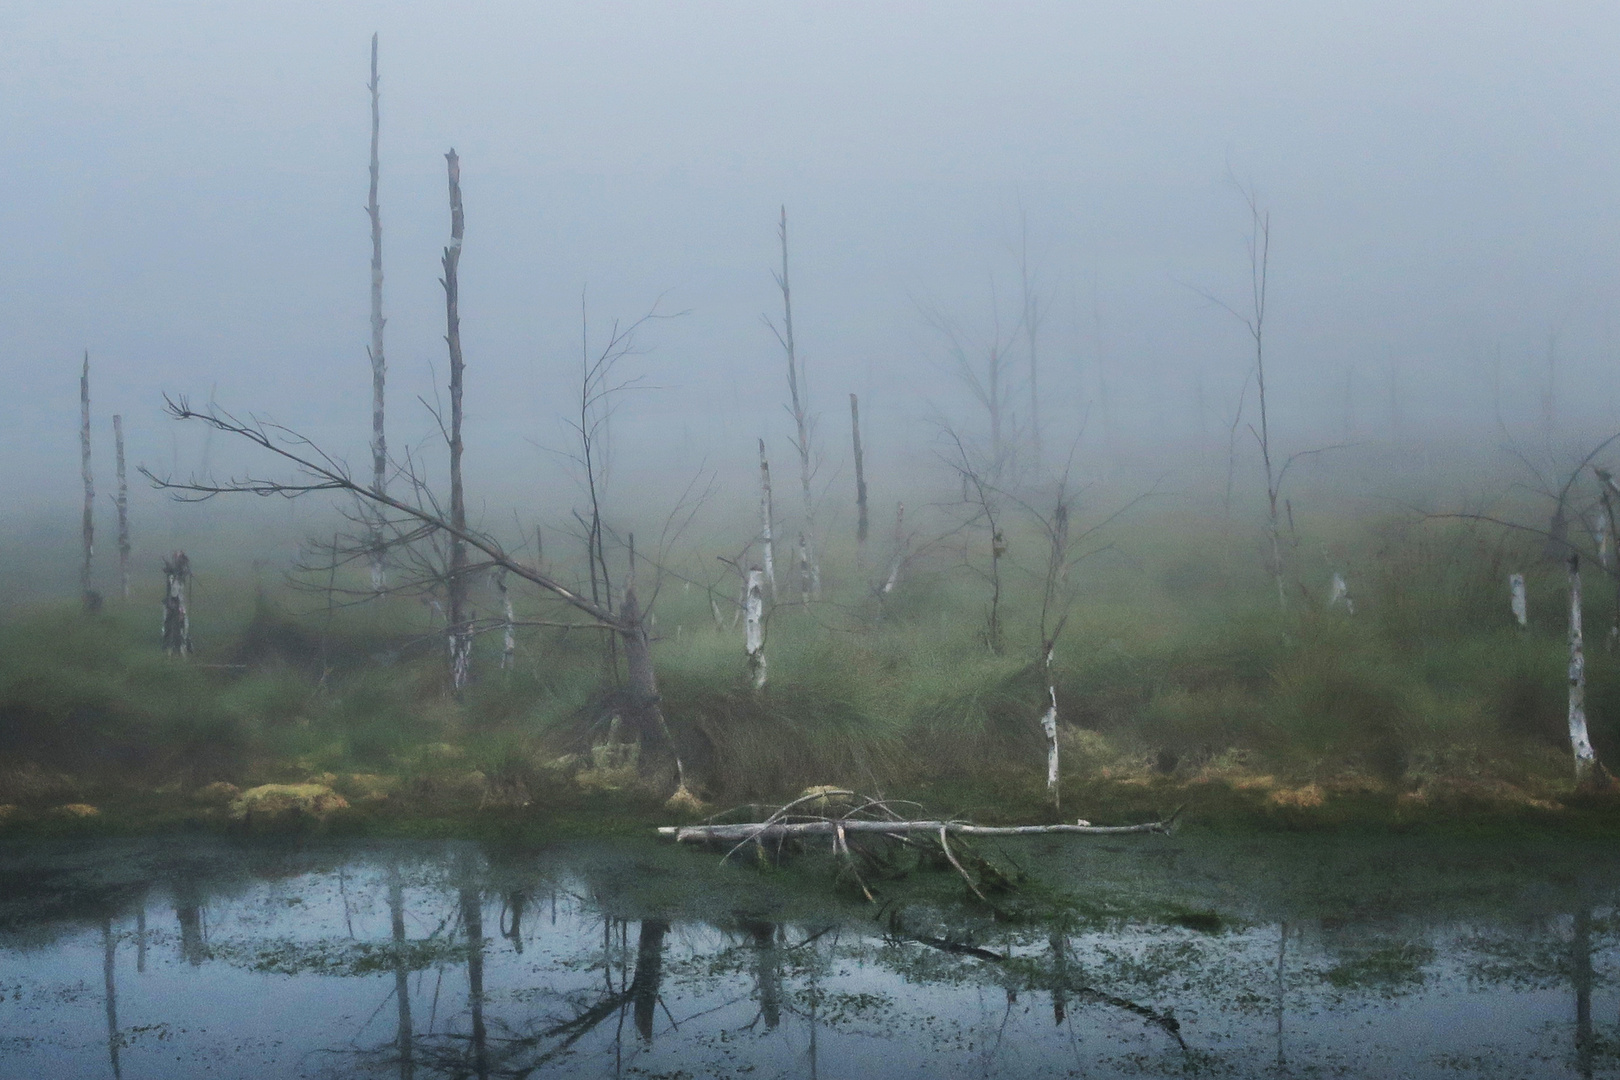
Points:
x=1156, y=956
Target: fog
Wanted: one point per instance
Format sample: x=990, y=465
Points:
x=185, y=190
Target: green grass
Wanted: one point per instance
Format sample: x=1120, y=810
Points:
x=1178, y=679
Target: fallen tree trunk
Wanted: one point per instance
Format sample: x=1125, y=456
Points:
x=782, y=830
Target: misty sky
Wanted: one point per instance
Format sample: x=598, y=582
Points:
x=184, y=190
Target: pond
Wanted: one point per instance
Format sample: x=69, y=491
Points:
x=1145, y=956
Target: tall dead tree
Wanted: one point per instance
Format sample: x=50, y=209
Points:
x=123, y=508
x=803, y=423
x=91, y=598
x=379, y=366
x=1586, y=766
x=860, y=481
x=1033, y=314
x=176, y=618
x=460, y=633
x=765, y=523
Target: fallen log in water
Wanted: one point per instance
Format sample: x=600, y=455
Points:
x=783, y=830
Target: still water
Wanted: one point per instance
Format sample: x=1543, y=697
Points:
x=1160, y=956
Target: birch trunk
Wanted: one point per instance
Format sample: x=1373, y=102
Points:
x=456, y=586
x=123, y=508
x=897, y=560
x=860, y=482
x=765, y=515
x=88, y=595
x=641, y=681
x=1579, y=742
x=1521, y=610
x=754, y=636
x=799, y=393
x=1049, y=726
x=379, y=365
x=1340, y=594
x=509, y=638
x=806, y=576
x=1612, y=565
x=176, y=619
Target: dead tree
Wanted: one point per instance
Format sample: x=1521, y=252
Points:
x=897, y=558
x=1033, y=314
x=798, y=398
x=754, y=638
x=379, y=365
x=1580, y=744
x=989, y=387
x=860, y=481
x=123, y=508
x=767, y=541
x=90, y=598
x=176, y=618
x=983, y=501
x=459, y=632
x=1517, y=602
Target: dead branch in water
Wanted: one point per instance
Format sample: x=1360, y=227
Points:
x=782, y=830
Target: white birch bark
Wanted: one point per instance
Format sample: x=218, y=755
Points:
x=176, y=619
x=123, y=508
x=1049, y=726
x=1579, y=742
x=1340, y=594
x=754, y=628
x=765, y=515
x=509, y=638
x=806, y=576
x=899, y=557
x=1521, y=609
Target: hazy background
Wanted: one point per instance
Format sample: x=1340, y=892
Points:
x=185, y=187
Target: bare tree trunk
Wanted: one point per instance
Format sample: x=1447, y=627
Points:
x=799, y=392
x=765, y=515
x=1579, y=742
x=379, y=366
x=897, y=560
x=509, y=638
x=1521, y=611
x=1340, y=594
x=1611, y=563
x=806, y=577
x=456, y=586
x=641, y=681
x=860, y=482
x=1032, y=326
x=754, y=638
x=1049, y=726
x=92, y=600
x=123, y=508
x=176, y=619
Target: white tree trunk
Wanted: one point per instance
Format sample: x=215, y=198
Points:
x=379, y=366
x=807, y=584
x=1049, y=726
x=509, y=639
x=91, y=602
x=176, y=619
x=1340, y=594
x=899, y=557
x=765, y=520
x=1579, y=742
x=754, y=633
x=1521, y=610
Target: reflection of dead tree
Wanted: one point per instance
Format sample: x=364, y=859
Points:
x=1058, y=980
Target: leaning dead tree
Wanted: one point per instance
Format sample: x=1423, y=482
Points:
x=316, y=471
x=379, y=365
x=91, y=599
x=460, y=634
x=803, y=422
x=123, y=507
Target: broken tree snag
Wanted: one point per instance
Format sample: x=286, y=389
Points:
x=176, y=619
x=1049, y=727
x=123, y=508
x=1579, y=742
x=860, y=481
x=899, y=557
x=798, y=394
x=92, y=599
x=460, y=633
x=1611, y=563
x=509, y=637
x=1339, y=593
x=379, y=366
x=1521, y=611
x=765, y=520
x=806, y=572
x=754, y=636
